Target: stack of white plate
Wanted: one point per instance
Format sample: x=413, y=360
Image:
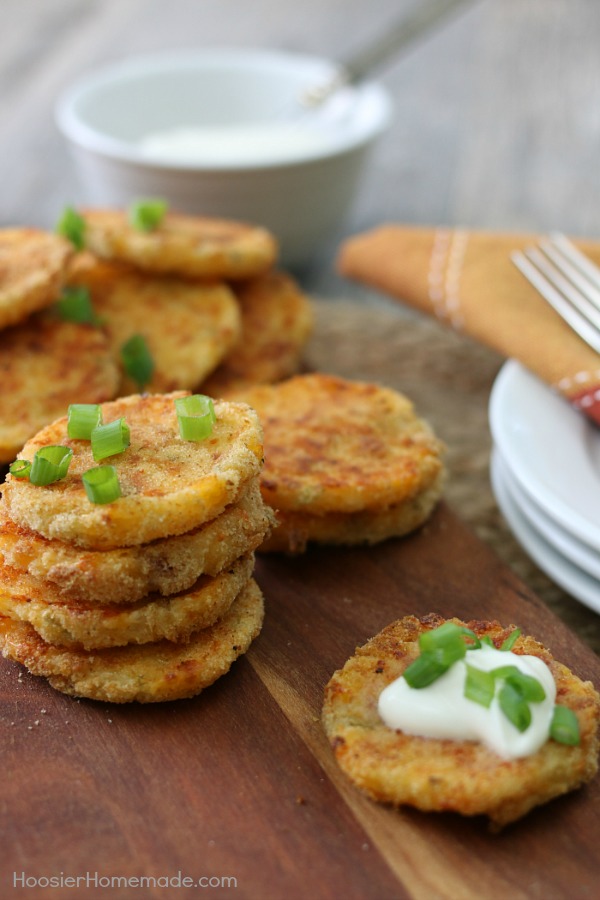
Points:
x=546, y=478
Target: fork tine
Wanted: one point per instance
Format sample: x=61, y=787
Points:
x=572, y=263
x=585, y=265
x=568, y=280
x=555, y=298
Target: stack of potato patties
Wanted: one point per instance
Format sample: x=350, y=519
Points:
x=204, y=296
x=150, y=596
x=346, y=462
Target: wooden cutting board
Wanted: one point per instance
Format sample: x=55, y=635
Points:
x=240, y=782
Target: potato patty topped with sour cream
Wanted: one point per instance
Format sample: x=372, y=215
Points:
x=445, y=775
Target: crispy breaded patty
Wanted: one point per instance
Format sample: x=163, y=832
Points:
x=185, y=245
x=146, y=673
x=32, y=267
x=45, y=364
x=188, y=326
x=277, y=320
x=169, y=485
x=67, y=573
x=459, y=776
x=334, y=445
x=154, y=618
x=295, y=530
x=338, y=454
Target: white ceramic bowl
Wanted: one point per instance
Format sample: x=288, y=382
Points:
x=260, y=158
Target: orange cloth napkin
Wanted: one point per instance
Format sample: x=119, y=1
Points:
x=467, y=280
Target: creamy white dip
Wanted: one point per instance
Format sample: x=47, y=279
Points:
x=442, y=711
x=244, y=144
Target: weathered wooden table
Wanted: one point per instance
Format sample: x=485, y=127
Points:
x=497, y=125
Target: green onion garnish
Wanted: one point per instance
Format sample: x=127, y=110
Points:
x=442, y=647
x=480, y=686
x=110, y=439
x=50, y=464
x=447, y=643
x=514, y=706
x=137, y=360
x=196, y=416
x=75, y=305
x=72, y=226
x=101, y=484
x=511, y=640
x=20, y=468
x=530, y=688
x=146, y=215
x=564, y=727
x=82, y=418
x=424, y=671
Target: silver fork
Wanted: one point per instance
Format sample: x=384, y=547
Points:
x=568, y=280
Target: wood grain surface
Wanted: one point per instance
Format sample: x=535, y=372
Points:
x=449, y=378
x=240, y=781
x=495, y=126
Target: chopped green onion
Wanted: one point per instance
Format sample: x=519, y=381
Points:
x=480, y=686
x=564, y=727
x=445, y=635
x=424, y=671
x=196, y=416
x=82, y=418
x=473, y=642
x=75, y=305
x=72, y=226
x=530, y=687
x=101, y=484
x=514, y=706
x=146, y=215
x=50, y=464
x=442, y=647
x=511, y=640
x=110, y=439
x=137, y=360
x=20, y=468
x=445, y=643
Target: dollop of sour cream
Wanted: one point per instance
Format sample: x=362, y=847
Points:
x=247, y=144
x=441, y=710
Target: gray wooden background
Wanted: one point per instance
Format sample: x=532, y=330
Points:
x=497, y=113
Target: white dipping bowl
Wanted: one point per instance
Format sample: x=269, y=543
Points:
x=251, y=152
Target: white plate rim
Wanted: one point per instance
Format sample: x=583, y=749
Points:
x=516, y=398
x=578, y=584
x=563, y=541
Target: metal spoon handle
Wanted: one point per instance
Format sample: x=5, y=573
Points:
x=399, y=35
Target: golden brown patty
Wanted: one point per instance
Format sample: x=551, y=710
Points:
x=458, y=776
x=67, y=573
x=295, y=530
x=277, y=320
x=32, y=266
x=45, y=364
x=182, y=245
x=335, y=447
x=152, y=619
x=146, y=673
x=188, y=327
x=169, y=485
